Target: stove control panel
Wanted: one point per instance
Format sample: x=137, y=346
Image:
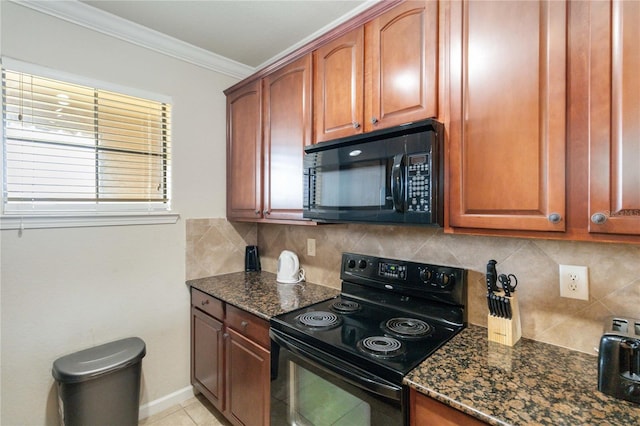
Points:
x=392, y=270
x=442, y=283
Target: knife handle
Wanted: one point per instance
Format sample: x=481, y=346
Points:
x=505, y=283
x=492, y=276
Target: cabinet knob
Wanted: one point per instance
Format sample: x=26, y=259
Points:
x=374, y=120
x=266, y=212
x=555, y=218
x=225, y=336
x=599, y=218
x=244, y=324
x=257, y=211
x=356, y=125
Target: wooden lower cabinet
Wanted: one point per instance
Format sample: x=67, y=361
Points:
x=425, y=411
x=230, y=359
x=207, y=343
x=248, y=381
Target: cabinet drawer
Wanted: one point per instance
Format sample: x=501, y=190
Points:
x=248, y=325
x=206, y=303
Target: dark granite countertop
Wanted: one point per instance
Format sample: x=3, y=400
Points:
x=532, y=383
x=260, y=294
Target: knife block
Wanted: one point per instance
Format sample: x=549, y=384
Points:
x=503, y=330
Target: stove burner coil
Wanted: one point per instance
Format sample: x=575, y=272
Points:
x=345, y=307
x=381, y=346
x=319, y=319
x=407, y=327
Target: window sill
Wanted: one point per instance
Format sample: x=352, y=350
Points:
x=79, y=221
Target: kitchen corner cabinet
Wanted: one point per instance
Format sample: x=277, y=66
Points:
x=378, y=75
x=507, y=132
x=614, y=142
x=230, y=359
x=425, y=411
x=268, y=126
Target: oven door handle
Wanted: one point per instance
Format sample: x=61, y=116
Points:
x=361, y=379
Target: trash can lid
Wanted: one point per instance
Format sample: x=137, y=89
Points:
x=99, y=360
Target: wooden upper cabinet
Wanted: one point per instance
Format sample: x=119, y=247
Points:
x=507, y=130
x=381, y=75
x=401, y=52
x=244, y=154
x=338, y=87
x=614, y=143
x=287, y=130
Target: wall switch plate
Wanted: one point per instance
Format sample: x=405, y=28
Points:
x=311, y=247
x=574, y=282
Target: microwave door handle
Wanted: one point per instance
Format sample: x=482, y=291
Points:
x=397, y=183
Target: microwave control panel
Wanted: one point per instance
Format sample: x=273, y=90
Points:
x=418, y=182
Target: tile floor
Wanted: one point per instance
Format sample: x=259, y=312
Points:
x=196, y=411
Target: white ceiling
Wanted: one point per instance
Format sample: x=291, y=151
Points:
x=253, y=33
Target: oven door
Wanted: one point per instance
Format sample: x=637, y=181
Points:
x=310, y=387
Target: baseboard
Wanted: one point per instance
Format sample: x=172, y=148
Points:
x=167, y=401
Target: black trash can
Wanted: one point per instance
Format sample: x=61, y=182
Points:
x=101, y=385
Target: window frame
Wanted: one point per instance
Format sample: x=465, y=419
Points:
x=125, y=214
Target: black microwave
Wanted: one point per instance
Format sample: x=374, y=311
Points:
x=392, y=176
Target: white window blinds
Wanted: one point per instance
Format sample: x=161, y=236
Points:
x=74, y=148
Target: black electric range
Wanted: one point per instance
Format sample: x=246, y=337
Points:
x=390, y=316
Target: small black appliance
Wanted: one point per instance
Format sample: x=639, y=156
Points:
x=619, y=359
x=388, y=176
x=251, y=259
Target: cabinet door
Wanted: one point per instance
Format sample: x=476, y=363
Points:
x=507, y=121
x=244, y=154
x=287, y=129
x=338, y=87
x=401, y=51
x=207, y=345
x=614, y=143
x=425, y=411
x=248, y=381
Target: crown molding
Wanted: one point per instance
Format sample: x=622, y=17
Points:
x=341, y=20
x=98, y=20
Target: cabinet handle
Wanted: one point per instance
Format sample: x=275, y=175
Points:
x=205, y=302
x=555, y=218
x=599, y=218
x=244, y=325
x=356, y=125
x=374, y=120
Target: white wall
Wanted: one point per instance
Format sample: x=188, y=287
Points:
x=64, y=290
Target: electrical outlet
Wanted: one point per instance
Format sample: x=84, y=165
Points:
x=311, y=247
x=574, y=282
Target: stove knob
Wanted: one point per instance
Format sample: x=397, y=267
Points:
x=425, y=275
x=362, y=264
x=445, y=280
x=351, y=264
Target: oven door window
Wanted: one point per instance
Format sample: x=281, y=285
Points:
x=305, y=394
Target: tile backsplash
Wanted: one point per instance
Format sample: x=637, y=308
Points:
x=215, y=246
